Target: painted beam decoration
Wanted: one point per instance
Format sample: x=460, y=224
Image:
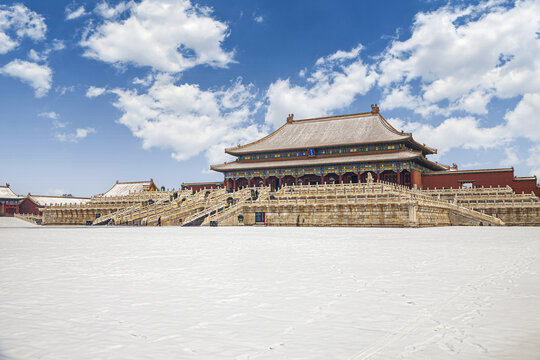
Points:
x=334, y=150
x=324, y=170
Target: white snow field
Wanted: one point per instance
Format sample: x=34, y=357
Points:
x=269, y=293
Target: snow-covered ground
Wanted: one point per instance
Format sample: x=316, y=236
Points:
x=269, y=293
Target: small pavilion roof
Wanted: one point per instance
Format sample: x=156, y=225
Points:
x=126, y=188
x=363, y=128
x=7, y=193
x=387, y=156
x=45, y=200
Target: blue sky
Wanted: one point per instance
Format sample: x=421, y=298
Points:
x=94, y=92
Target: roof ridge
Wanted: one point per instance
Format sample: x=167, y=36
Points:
x=133, y=182
x=58, y=196
x=261, y=139
x=341, y=117
x=391, y=128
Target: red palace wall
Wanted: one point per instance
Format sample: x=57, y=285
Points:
x=28, y=207
x=525, y=186
x=480, y=178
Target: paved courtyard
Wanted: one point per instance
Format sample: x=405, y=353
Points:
x=269, y=293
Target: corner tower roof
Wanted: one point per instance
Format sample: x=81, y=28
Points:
x=364, y=128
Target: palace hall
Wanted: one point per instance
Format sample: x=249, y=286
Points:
x=345, y=149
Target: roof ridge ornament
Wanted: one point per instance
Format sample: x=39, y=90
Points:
x=290, y=118
x=374, y=109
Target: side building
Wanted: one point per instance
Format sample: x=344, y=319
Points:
x=9, y=201
x=128, y=188
x=35, y=204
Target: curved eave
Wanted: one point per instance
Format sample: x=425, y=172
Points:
x=425, y=149
x=318, y=161
x=319, y=147
x=216, y=168
x=434, y=165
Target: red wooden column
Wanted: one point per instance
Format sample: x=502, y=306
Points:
x=281, y=177
x=249, y=182
x=378, y=176
x=264, y=181
x=234, y=184
x=398, y=176
x=359, y=177
x=295, y=179
x=416, y=178
x=341, y=178
x=322, y=178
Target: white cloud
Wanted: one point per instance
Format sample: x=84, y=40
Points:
x=17, y=22
x=37, y=76
x=59, y=124
x=189, y=120
x=511, y=158
x=534, y=159
x=402, y=96
x=79, y=134
x=75, y=13
x=94, y=91
x=167, y=35
x=110, y=12
x=50, y=115
x=464, y=56
x=456, y=132
x=34, y=55
x=57, y=45
x=335, y=82
x=258, y=18
x=82, y=133
x=524, y=120
x=6, y=43
x=340, y=55
x=146, y=81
